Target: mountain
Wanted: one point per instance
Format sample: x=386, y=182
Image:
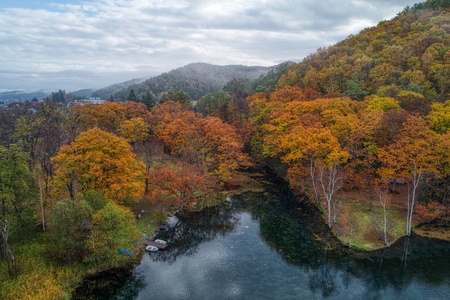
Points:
x=105, y=93
x=21, y=95
x=196, y=79
x=83, y=93
x=411, y=52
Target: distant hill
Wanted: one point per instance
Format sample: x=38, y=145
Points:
x=410, y=52
x=83, y=93
x=105, y=93
x=19, y=96
x=196, y=79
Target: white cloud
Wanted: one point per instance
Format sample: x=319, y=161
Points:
x=117, y=39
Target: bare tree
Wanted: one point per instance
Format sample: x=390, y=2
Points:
x=413, y=186
x=4, y=232
x=382, y=194
x=330, y=182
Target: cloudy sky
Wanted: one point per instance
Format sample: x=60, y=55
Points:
x=75, y=44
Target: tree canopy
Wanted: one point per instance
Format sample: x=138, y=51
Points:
x=101, y=161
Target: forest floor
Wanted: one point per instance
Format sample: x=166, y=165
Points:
x=363, y=210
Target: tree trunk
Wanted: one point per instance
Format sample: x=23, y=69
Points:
x=42, y=204
x=2, y=250
x=312, y=172
x=351, y=233
x=330, y=187
x=385, y=231
x=9, y=252
x=412, y=195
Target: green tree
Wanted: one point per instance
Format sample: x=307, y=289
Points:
x=18, y=197
x=132, y=96
x=179, y=96
x=18, y=189
x=59, y=96
x=214, y=105
x=96, y=199
x=112, y=228
x=70, y=225
x=149, y=100
x=355, y=88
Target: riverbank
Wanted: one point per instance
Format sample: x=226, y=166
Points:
x=41, y=277
x=360, y=223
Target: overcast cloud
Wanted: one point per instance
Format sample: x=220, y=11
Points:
x=81, y=44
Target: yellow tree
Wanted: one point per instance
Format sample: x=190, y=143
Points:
x=100, y=161
x=297, y=132
x=315, y=151
x=439, y=117
x=324, y=154
x=107, y=116
x=135, y=130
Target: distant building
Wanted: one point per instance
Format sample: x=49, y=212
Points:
x=89, y=101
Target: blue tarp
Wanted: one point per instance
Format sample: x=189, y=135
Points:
x=123, y=251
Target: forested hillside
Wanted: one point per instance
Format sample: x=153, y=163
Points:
x=362, y=128
x=106, y=92
x=410, y=52
x=195, y=79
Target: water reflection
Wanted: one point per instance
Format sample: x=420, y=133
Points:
x=304, y=241
x=110, y=285
x=261, y=246
x=192, y=229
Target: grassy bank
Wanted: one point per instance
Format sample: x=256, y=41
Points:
x=362, y=211
x=367, y=233
x=40, y=277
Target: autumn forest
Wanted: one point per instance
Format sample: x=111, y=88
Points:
x=360, y=131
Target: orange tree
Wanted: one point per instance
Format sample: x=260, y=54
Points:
x=209, y=143
x=178, y=185
x=297, y=133
x=412, y=157
x=100, y=161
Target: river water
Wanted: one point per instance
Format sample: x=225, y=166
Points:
x=266, y=246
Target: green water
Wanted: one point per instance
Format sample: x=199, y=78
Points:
x=264, y=246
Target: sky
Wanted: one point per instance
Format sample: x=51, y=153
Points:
x=77, y=44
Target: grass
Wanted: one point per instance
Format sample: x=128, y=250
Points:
x=38, y=276
x=368, y=225
x=209, y=201
x=149, y=222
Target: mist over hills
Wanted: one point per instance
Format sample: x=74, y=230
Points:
x=196, y=79
x=22, y=95
x=106, y=92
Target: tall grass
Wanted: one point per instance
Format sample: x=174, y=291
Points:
x=38, y=276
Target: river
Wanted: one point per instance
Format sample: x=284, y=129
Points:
x=267, y=246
